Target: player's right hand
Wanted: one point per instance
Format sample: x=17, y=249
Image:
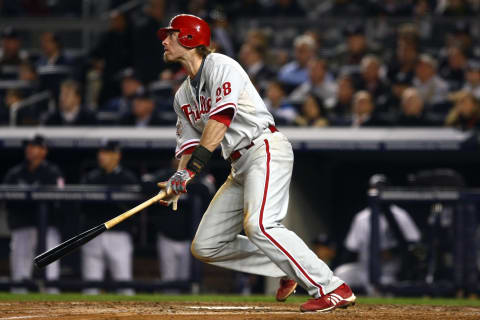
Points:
x=170, y=198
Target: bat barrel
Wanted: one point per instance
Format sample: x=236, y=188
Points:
x=66, y=247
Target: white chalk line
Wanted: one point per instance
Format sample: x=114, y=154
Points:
x=21, y=317
x=227, y=308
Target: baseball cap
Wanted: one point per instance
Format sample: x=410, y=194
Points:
x=37, y=140
x=110, y=145
x=354, y=29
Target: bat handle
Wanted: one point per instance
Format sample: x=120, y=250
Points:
x=113, y=222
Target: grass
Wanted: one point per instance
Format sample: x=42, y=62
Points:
x=226, y=298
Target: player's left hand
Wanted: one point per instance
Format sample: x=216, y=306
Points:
x=178, y=182
x=170, y=198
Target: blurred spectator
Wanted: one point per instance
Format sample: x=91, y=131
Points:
x=245, y=8
x=364, y=110
x=473, y=79
x=11, y=55
x=147, y=48
x=222, y=41
x=454, y=8
x=143, y=113
x=371, y=81
x=131, y=86
x=465, y=114
x=431, y=87
x=412, y=111
x=326, y=249
x=453, y=70
x=350, y=53
x=252, y=57
x=461, y=36
x=112, y=250
x=404, y=62
x=113, y=53
x=257, y=37
x=10, y=107
x=313, y=114
x=70, y=111
x=51, y=51
x=342, y=107
x=396, y=230
x=320, y=82
x=22, y=216
x=295, y=72
x=27, y=72
x=276, y=101
x=286, y=8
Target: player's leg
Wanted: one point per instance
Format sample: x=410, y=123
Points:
x=120, y=259
x=267, y=180
x=93, y=265
x=22, y=250
x=217, y=240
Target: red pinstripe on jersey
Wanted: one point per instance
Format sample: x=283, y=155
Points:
x=275, y=243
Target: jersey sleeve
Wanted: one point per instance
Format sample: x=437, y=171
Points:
x=187, y=137
x=226, y=85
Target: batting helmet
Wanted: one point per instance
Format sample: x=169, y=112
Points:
x=193, y=31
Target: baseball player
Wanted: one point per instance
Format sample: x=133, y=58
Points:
x=218, y=105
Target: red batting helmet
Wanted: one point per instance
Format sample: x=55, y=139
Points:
x=193, y=31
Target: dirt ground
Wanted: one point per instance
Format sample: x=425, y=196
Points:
x=229, y=311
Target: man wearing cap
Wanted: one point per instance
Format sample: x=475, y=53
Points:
x=22, y=216
x=112, y=250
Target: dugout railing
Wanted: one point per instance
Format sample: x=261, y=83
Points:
x=84, y=194
x=464, y=277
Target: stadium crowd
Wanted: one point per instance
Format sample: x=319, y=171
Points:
x=422, y=70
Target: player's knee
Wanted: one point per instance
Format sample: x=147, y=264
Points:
x=202, y=252
x=252, y=229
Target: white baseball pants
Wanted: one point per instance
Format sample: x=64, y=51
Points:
x=255, y=198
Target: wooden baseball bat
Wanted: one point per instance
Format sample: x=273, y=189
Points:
x=74, y=243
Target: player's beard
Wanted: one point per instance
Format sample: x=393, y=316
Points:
x=167, y=59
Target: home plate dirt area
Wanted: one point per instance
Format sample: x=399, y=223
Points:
x=14, y=310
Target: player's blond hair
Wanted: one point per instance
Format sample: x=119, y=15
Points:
x=204, y=51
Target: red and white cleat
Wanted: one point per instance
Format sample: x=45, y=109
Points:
x=342, y=297
x=287, y=288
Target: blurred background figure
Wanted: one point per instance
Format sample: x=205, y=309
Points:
x=295, y=72
x=52, y=54
x=473, y=78
x=319, y=82
x=326, y=249
x=11, y=55
x=130, y=87
x=341, y=111
x=313, y=113
x=112, y=250
x=432, y=88
x=284, y=113
x=412, y=113
x=175, y=230
x=71, y=112
x=143, y=112
x=465, y=115
x=23, y=216
x=252, y=57
x=397, y=229
x=363, y=113
x=112, y=55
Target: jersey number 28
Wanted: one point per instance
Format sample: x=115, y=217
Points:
x=226, y=91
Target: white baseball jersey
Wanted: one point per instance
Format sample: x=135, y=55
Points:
x=223, y=85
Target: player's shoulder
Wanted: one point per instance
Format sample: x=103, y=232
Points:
x=215, y=60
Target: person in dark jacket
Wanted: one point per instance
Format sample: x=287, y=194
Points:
x=112, y=249
x=175, y=231
x=23, y=218
x=412, y=112
x=143, y=113
x=70, y=111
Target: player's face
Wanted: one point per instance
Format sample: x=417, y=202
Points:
x=173, y=50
